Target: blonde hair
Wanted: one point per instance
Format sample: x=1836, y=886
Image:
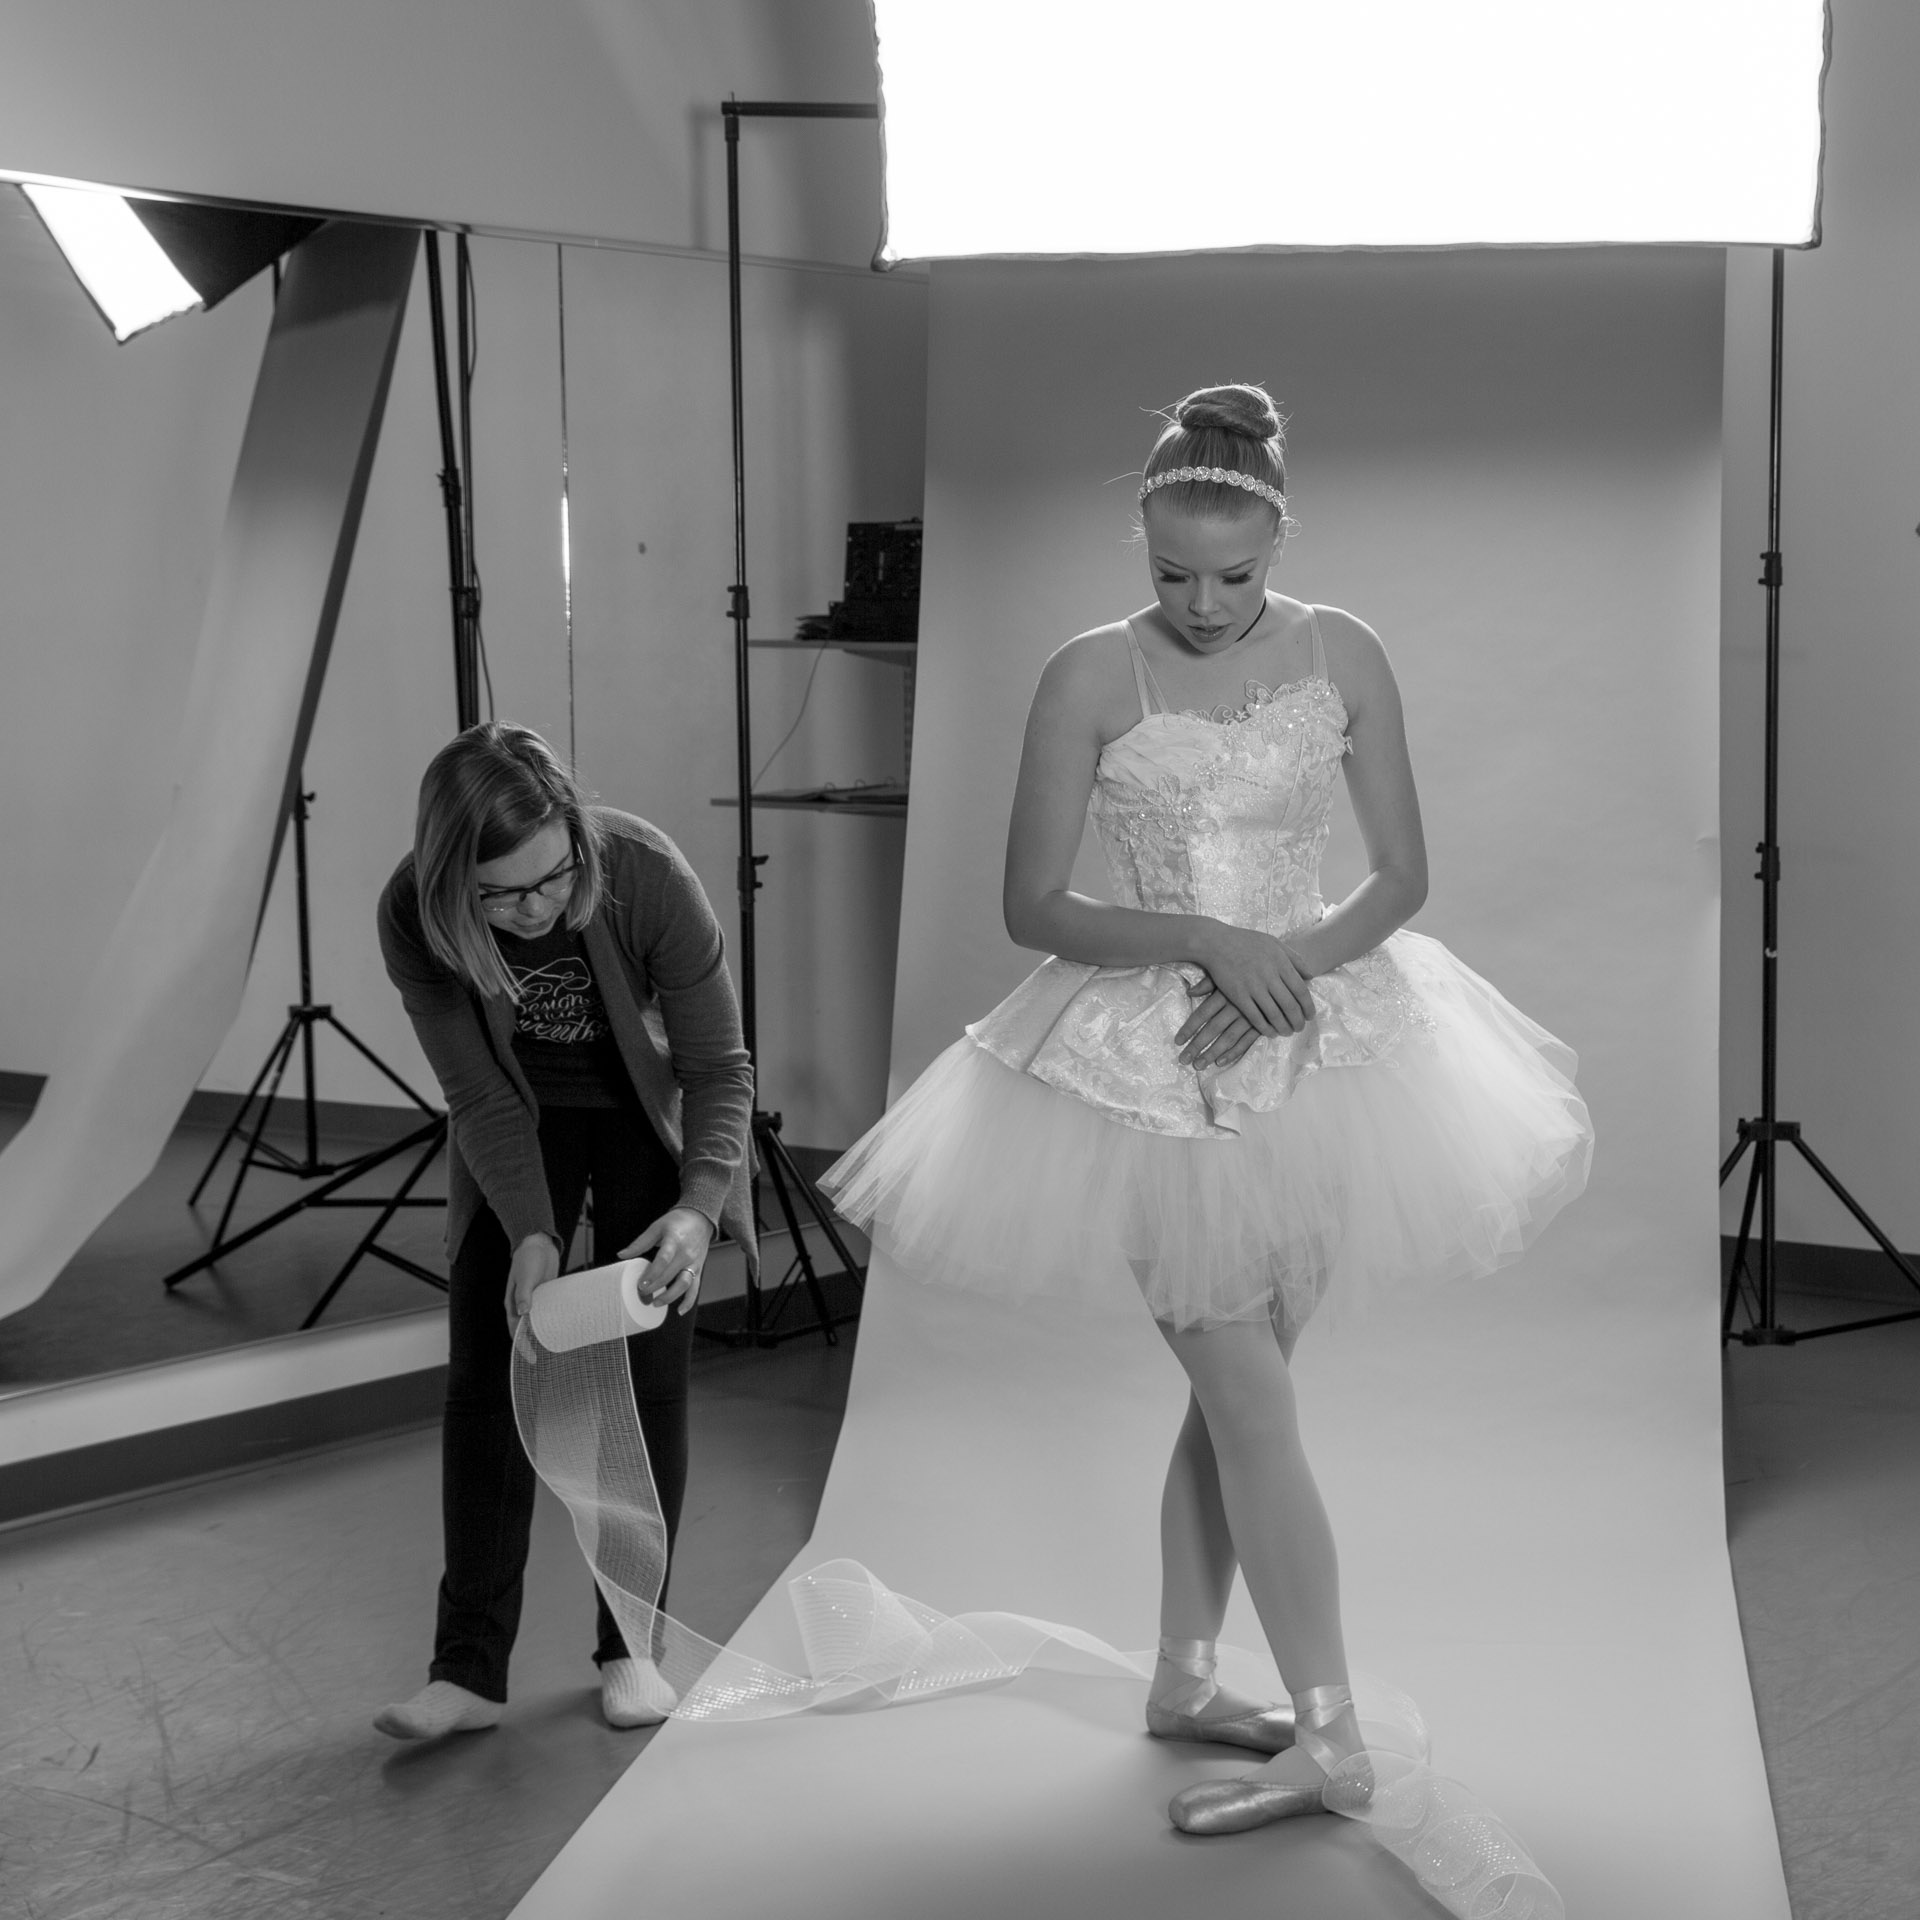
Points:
x=1236, y=428
x=484, y=793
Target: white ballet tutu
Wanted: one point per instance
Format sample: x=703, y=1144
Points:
x=1420, y=1128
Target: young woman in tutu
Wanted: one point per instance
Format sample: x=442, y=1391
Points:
x=1219, y=1093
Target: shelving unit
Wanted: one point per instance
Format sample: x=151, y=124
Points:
x=791, y=1188
x=882, y=802
x=903, y=654
x=888, y=803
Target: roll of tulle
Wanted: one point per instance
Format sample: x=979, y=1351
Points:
x=1441, y=1161
x=601, y=1303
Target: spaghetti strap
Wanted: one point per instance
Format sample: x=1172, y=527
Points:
x=1319, y=646
x=1142, y=675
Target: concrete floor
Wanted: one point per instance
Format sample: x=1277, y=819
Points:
x=189, y=1676
x=109, y=1309
x=1823, y=1522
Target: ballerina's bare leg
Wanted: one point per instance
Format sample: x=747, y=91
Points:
x=1239, y=1486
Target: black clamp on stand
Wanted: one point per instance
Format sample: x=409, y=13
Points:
x=1766, y=1135
x=249, y=1125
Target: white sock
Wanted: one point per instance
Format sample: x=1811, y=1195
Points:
x=439, y=1707
x=634, y=1694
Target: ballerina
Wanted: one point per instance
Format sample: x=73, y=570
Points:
x=1218, y=1093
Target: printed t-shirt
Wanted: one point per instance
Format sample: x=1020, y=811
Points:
x=562, y=1037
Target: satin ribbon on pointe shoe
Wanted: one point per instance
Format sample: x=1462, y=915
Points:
x=1235, y=1806
x=1316, y=1710
x=1183, y=1714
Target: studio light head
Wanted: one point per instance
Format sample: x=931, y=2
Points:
x=1051, y=127
x=142, y=260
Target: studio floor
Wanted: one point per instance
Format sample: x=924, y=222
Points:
x=189, y=1675
x=109, y=1309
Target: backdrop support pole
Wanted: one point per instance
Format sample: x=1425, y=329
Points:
x=791, y=1188
x=1768, y=1133
x=460, y=587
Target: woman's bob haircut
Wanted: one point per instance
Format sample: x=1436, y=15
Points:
x=487, y=790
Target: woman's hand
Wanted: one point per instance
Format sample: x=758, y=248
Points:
x=1259, y=977
x=677, y=1245
x=1216, y=1033
x=536, y=1260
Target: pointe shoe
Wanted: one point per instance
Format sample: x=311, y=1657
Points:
x=1234, y=1806
x=1253, y=1800
x=1202, y=1710
x=633, y=1693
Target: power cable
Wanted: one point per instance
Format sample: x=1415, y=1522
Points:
x=820, y=653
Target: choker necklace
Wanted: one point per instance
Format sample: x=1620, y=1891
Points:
x=1248, y=628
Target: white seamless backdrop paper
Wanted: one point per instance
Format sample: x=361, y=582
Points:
x=1509, y=464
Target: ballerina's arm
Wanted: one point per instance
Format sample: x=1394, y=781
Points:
x=1386, y=807
x=1080, y=703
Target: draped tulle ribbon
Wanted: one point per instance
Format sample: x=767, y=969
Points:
x=864, y=1643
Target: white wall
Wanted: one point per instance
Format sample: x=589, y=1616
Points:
x=594, y=118
x=115, y=464
x=1850, y=620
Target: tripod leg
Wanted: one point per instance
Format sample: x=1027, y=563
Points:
x=234, y=1125
x=1733, y=1159
x=284, y=1053
x=374, y=1232
x=823, y=1216
x=353, y=1040
x=434, y=1134
x=1859, y=1212
x=1738, y=1270
x=221, y=1248
x=779, y=1167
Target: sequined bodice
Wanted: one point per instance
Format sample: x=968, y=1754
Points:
x=1225, y=815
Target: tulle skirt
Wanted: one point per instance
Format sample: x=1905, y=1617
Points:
x=1420, y=1129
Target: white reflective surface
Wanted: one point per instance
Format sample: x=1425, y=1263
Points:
x=1046, y=126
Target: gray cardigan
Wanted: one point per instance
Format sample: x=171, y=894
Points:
x=659, y=960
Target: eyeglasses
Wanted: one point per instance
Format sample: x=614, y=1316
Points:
x=551, y=886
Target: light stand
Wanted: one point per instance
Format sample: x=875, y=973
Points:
x=462, y=584
x=258, y=1151
x=304, y=1017
x=1768, y=1134
x=791, y=1188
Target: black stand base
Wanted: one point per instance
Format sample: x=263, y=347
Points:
x=1765, y=1137
x=425, y=1142
x=766, y=1306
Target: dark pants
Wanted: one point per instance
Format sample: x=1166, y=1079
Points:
x=487, y=1483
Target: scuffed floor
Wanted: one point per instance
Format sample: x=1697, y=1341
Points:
x=1823, y=1521
x=188, y=1678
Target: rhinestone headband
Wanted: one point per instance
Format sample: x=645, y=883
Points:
x=1222, y=476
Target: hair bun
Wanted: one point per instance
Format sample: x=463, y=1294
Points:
x=1245, y=410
